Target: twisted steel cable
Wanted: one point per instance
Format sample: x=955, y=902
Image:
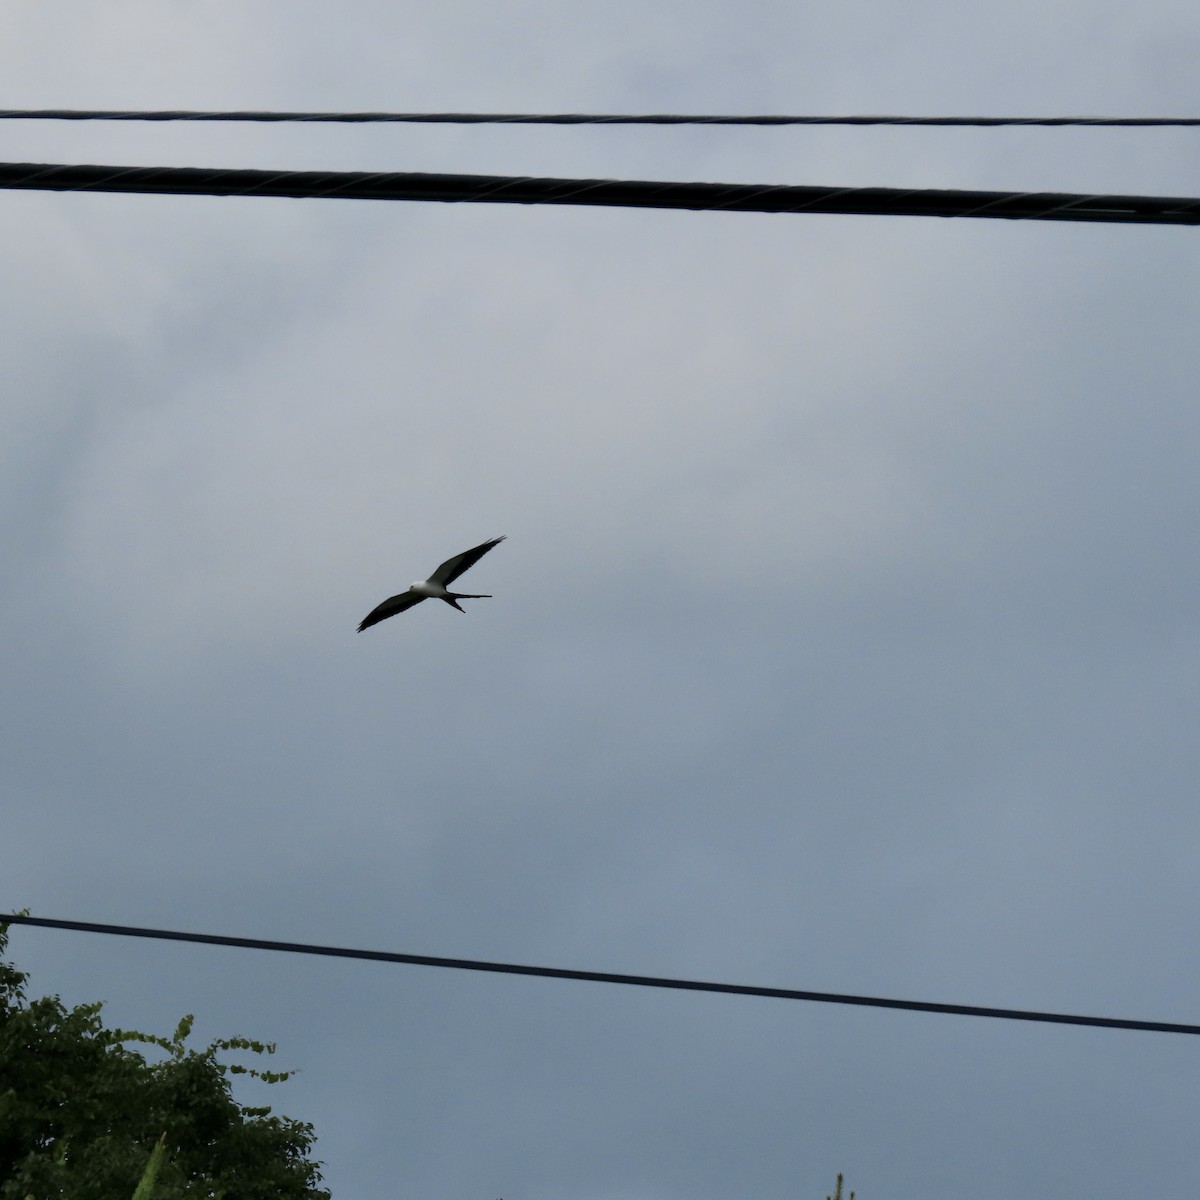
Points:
x=671, y=194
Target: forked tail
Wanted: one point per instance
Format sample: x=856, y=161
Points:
x=452, y=599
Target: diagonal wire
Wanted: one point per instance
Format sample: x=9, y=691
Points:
x=671, y=194
x=650, y=981
x=458, y=118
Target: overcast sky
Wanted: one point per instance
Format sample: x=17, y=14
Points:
x=846, y=636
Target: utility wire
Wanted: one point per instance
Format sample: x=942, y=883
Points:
x=455, y=118
x=509, y=189
x=651, y=981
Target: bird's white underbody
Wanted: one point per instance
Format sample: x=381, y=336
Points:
x=426, y=587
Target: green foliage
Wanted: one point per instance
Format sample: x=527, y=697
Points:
x=80, y=1112
x=145, y=1189
x=837, y=1194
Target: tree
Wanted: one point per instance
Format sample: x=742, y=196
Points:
x=81, y=1111
x=837, y=1195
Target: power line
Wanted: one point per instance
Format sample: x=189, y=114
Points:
x=651, y=981
x=456, y=118
x=511, y=189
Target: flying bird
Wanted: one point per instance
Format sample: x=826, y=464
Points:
x=433, y=588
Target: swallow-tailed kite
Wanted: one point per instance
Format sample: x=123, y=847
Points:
x=433, y=588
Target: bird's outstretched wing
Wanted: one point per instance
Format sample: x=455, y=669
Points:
x=452, y=568
x=390, y=607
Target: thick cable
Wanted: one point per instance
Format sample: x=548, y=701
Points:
x=505, y=189
x=650, y=981
x=457, y=118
